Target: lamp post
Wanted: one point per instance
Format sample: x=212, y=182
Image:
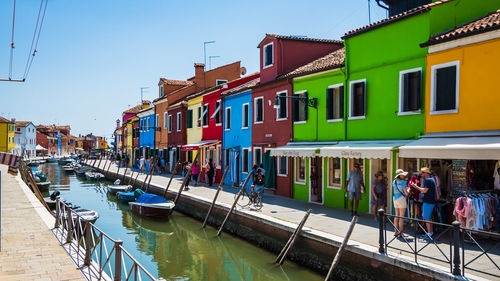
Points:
x=205, y=51
x=210, y=61
x=310, y=102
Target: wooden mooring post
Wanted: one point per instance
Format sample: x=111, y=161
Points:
x=124, y=174
x=215, y=197
x=291, y=241
x=234, y=205
x=147, y=175
x=137, y=175
x=152, y=173
x=99, y=164
x=342, y=247
x=186, y=177
x=171, y=178
x=118, y=171
x=106, y=174
x=131, y=176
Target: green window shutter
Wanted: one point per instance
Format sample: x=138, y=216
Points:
x=190, y=119
x=305, y=102
x=419, y=91
x=295, y=109
x=329, y=103
x=341, y=102
x=406, y=90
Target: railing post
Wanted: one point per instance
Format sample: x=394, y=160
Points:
x=88, y=248
x=456, y=248
x=381, y=241
x=118, y=260
x=69, y=222
x=58, y=213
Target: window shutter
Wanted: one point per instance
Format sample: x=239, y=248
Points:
x=329, y=107
x=190, y=119
x=406, y=91
x=341, y=102
x=295, y=109
x=419, y=91
x=364, y=98
x=305, y=102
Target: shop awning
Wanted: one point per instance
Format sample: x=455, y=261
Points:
x=294, y=151
x=40, y=148
x=195, y=146
x=467, y=148
x=362, y=149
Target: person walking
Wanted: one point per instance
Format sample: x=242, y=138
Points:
x=195, y=172
x=210, y=168
x=379, y=191
x=185, y=167
x=400, y=192
x=429, y=200
x=354, y=184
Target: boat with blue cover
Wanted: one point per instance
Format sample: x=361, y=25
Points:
x=152, y=205
x=129, y=196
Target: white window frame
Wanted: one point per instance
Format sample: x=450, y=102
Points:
x=243, y=116
x=226, y=117
x=161, y=91
x=179, y=121
x=148, y=123
x=157, y=121
x=335, y=86
x=278, y=167
x=218, y=155
x=433, y=110
x=217, y=110
x=220, y=80
x=248, y=159
x=264, y=66
x=401, y=91
x=255, y=110
x=255, y=148
x=351, y=83
x=203, y=112
x=339, y=187
x=302, y=182
x=165, y=120
x=298, y=93
x=199, y=122
x=169, y=123
x=278, y=109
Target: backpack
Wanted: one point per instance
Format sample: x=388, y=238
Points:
x=259, y=179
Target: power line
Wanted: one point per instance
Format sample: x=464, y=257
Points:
x=37, y=38
x=12, y=40
x=33, y=39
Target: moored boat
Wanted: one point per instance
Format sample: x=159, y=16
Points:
x=52, y=160
x=43, y=186
x=129, y=196
x=94, y=176
x=117, y=187
x=152, y=205
x=80, y=171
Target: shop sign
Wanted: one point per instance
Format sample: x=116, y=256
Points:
x=351, y=154
x=269, y=135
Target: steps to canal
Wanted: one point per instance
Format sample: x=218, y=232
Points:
x=320, y=239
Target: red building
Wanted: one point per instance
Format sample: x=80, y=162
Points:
x=177, y=129
x=272, y=125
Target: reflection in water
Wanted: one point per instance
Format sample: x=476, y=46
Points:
x=178, y=248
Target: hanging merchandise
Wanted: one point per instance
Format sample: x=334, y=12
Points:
x=459, y=175
x=496, y=176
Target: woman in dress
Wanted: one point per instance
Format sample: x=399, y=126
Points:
x=379, y=191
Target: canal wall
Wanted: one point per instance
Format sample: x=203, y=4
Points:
x=314, y=249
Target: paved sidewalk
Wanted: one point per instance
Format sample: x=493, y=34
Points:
x=29, y=249
x=333, y=221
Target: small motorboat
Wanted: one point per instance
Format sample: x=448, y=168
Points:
x=117, y=187
x=80, y=171
x=69, y=168
x=43, y=186
x=51, y=200
x=52, y=160
x=65, y=161
x=94, y=176
x=152, y=205
x=130, y=196
x=33, y=164
x=84, y=214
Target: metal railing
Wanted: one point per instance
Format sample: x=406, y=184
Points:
x=97, y=254
x=458, y=247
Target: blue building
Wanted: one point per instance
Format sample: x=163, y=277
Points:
x=146, y=132
x=237, y=134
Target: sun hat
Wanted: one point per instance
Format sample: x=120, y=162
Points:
x=425, y=170
x=400, y=172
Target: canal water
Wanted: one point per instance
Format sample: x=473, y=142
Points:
x=174, y=249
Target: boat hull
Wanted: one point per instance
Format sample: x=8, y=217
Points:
x=149, y=210
x=117, y=188
x=43, y=186
x=125, y=197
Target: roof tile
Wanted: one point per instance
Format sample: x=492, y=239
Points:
x=330, y=61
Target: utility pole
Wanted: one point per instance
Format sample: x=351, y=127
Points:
x=205, y=51
x=210, y=61
x=369, y=13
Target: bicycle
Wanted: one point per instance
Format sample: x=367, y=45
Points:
x=250, y=198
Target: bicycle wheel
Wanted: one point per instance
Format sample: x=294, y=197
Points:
x=244, y=199
x=257, y=204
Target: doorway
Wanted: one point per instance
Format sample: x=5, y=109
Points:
x=316, y=180
x=383, y=166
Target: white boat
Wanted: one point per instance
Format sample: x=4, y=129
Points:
x=94, y=176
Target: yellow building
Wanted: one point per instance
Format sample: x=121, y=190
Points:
x=195, y=133
x=7, y=135
x=129, y=138
x=462, y=91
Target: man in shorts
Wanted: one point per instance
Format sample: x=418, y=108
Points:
x=354, y=183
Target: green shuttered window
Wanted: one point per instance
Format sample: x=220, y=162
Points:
x=335, y=102
x=189, y=119
x=299, y=106
x=446, y=88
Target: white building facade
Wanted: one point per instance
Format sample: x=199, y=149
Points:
x=25, y=138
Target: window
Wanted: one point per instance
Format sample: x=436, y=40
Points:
x=189, y=119
x=282, y=166
x=198, y=122
x=357, y=99
x=217, y=113
x=169, y=123
x=148, y=124
x=257, y=155
x=281, y=112
x=161, y=91
x=268, y=55
x=220, y=81
x=335, y=102
x=300, y=170
x=244, y=116
x=259, y=110
x=227, y=117
x=244, y=161
x=165, y=121
x=410, y=91
x=226, y=156
x=334, y=173
x=204, y=115
x=179, y=121
x=444, y=88
x=157, y=121
x=299, y=107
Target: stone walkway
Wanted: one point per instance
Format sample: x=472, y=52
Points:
x=335, y=221
x=29, y=250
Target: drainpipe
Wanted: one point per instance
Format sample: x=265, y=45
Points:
x=346, y=77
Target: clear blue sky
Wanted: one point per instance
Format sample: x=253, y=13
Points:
x=94, y=55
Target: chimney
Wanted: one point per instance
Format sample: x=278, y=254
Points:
x=199, y=76
x=13, y=120
x=117, y=123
